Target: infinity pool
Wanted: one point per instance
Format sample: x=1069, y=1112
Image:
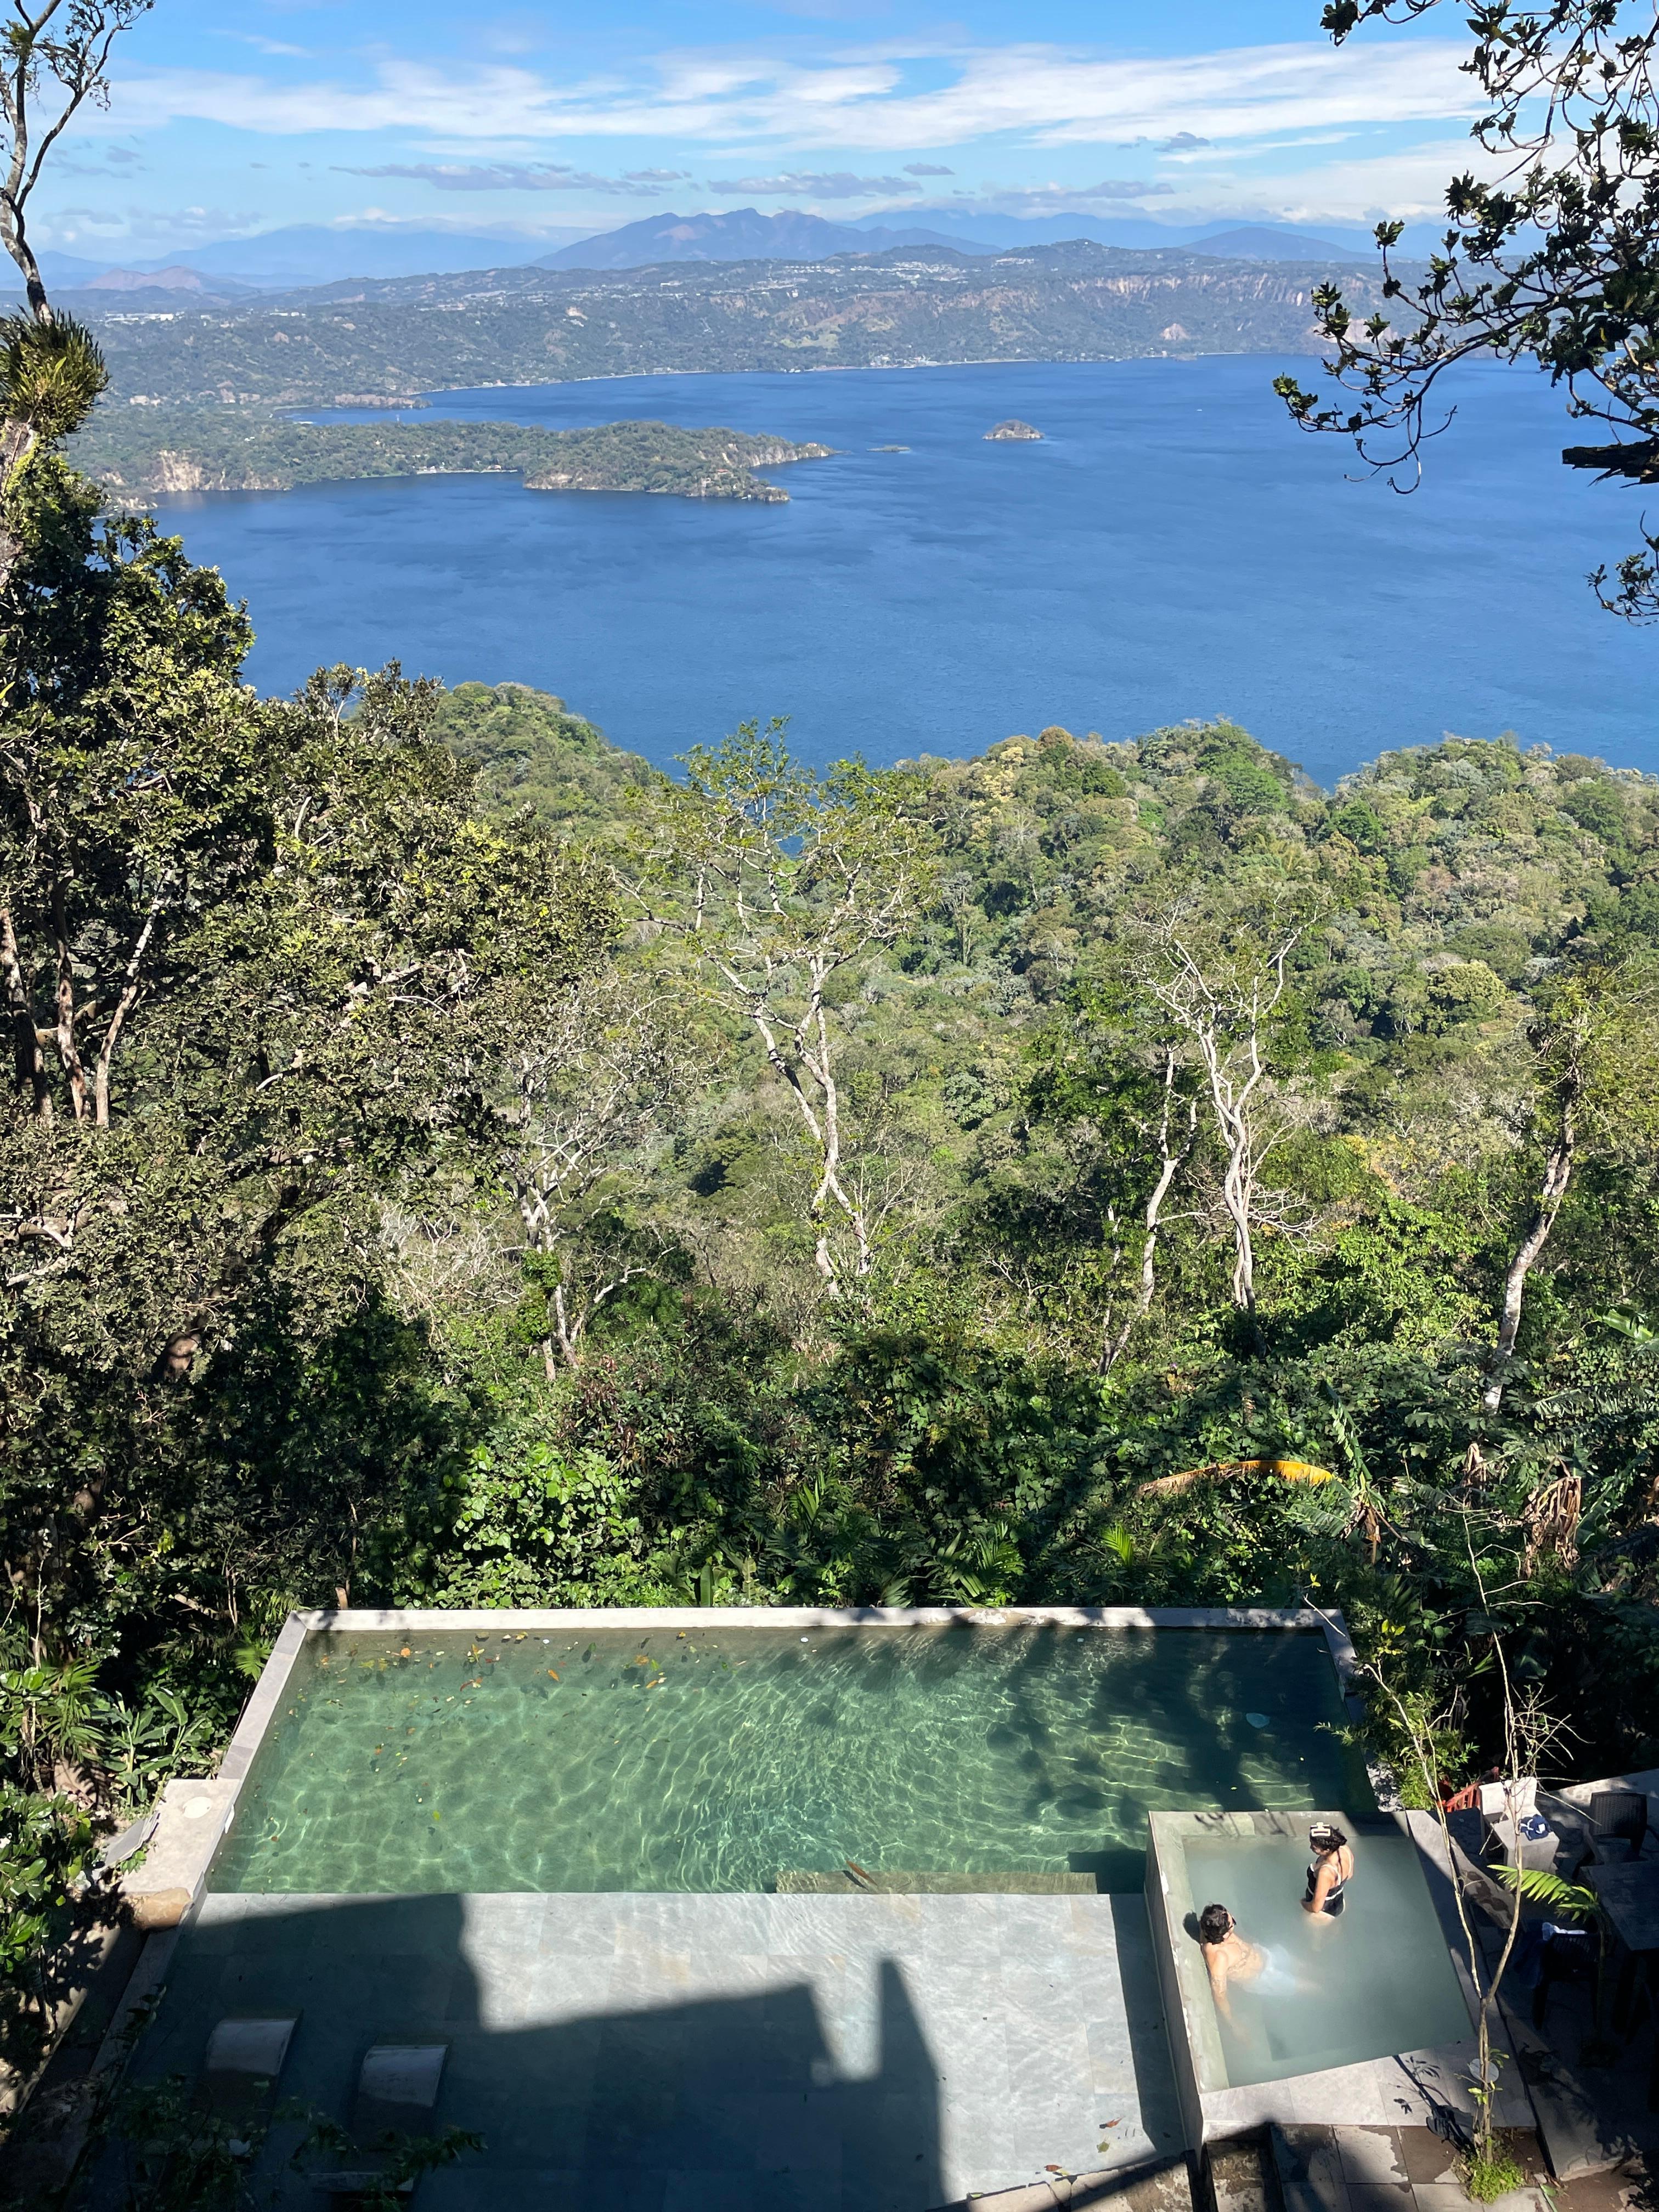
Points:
x=681, y=1760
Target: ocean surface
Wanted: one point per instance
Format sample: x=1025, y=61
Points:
x=1173, y=548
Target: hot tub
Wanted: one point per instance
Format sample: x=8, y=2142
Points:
x=1338, y=1996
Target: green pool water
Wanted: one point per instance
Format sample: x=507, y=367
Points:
x=689, y=1761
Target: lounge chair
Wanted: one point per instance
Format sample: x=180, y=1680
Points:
x=396, y=2094
x=244, y=2061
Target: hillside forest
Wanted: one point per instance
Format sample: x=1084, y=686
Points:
x=393, y=340
x=448, y=1162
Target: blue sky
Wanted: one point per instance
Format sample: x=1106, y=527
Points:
x=534, y=121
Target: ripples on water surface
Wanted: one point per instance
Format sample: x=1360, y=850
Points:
x=716, y=1761
x=1173, y=548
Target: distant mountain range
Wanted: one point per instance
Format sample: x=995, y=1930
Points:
x=175, y=277
x=307, y=253
x=303, y=255
x=320, y=253
x=1139, y=234
x=748, y=235
x=744, y=234
x=1261, y=242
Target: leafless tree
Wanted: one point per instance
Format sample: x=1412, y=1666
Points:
x=1222, y=987
x=583, y=1095
x=1172, y=1137
x=777, y=882
x=1595, y=1059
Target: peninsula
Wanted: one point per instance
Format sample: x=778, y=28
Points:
x=148, y=451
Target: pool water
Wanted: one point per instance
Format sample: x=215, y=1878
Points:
x=1373, y=1983
x=681, y=1760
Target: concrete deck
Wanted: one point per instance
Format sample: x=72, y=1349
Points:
x=669, y=2053
x=1389, y=2169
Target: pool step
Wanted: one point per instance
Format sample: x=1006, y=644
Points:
x=812, y=1881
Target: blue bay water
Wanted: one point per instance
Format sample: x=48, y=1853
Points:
x=1173, y=548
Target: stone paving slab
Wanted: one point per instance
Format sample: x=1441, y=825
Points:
x=670, y=2053
x=1384, y=2169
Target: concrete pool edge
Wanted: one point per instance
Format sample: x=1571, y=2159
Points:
x=1407, y=2088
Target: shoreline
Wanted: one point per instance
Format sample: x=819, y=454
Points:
x=417, y=403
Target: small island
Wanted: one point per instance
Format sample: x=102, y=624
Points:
x=1014, y=428
x=147, y=453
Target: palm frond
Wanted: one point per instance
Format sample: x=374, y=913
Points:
x=1540, y=1886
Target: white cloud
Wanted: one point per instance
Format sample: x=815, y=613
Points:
x=71, y=226
x=262, y=45
x=1411, y=183
x=1061, y=199
x=518, y=177
x=818, y=185
x=870, y=100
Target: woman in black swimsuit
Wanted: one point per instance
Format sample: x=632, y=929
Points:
x=1329, y=1872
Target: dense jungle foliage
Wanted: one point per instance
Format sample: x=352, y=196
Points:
x=447, y=1162
x=142, y=452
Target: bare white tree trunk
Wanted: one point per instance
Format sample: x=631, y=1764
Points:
x=1171, y=1158
x=1557, y=1174
x=586, y=1093
x=1226, y=1017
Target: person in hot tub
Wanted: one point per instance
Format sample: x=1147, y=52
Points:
x=1330, y=1869
x=1229, y=1960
